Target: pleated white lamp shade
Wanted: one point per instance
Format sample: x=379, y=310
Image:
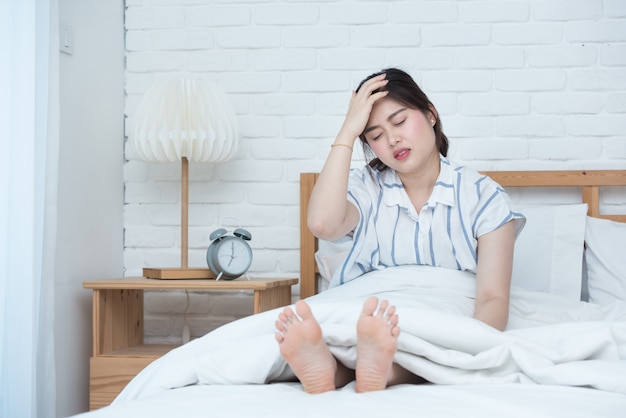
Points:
x=184, y=118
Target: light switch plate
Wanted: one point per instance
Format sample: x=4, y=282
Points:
x=66, y=38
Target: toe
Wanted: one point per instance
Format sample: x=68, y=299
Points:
x=280, y=326
x=395, y=331
x=370, y=305
x=286, y=313
x=303, y=310
x=382, y=308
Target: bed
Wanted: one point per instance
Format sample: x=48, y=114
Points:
x=563, y=353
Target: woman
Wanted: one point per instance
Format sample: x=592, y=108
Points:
x=409, y=205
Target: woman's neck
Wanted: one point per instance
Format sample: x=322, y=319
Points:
x=425, y=177
x=420, y=184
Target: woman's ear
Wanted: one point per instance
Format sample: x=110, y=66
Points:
x=432, y=114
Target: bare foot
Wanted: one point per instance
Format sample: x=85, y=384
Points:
x=304, y=349
x=377, y=338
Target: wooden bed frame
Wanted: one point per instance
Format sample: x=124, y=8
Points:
x=590, y=183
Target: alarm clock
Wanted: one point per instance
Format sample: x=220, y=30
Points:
x=229, y=256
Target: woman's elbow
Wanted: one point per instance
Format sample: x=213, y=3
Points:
x=331, y=225
x=321, y=228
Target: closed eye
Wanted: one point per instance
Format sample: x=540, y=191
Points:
x=400, y=122
x=375, y=136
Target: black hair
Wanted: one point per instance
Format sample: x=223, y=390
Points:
x=403, y=89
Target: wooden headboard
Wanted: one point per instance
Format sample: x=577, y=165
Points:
x=589, y=182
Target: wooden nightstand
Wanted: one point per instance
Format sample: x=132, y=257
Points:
x=118, y=349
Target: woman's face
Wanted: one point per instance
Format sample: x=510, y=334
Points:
x=401, y=137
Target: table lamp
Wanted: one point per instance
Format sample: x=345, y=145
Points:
x=182, y=120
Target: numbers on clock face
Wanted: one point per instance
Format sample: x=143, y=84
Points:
x=234, y=256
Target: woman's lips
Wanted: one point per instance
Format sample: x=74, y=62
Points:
x=401, y=154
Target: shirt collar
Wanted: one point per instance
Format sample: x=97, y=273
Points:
x=445, y=184
x=443, y=192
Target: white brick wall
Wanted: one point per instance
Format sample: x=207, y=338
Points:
x=519, y=85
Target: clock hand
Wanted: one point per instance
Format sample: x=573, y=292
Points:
x=232, y=253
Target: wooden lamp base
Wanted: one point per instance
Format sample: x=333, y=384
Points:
x=171, y=273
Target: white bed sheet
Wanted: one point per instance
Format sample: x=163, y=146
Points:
x=287, y=400
x=552, y=353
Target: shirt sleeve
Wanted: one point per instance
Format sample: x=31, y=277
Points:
x=357, y=187
x=360, y=190
x=494, y=209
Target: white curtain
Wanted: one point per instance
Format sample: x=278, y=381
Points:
x=29, y=133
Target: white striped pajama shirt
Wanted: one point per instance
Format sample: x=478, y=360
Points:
x=464, y=205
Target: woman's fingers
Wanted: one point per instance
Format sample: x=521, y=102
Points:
x=361, y=104
x=373, y=83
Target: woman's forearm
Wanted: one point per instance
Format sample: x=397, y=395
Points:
x=493, y=312
x=328, y=206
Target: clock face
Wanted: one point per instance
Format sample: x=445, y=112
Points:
x=231, y=256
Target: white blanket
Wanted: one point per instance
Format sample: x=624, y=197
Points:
x=549, y=340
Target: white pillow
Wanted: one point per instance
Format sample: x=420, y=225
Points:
x=605, y=256
x=549, y=250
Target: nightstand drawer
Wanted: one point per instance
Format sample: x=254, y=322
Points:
x=109, y=375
